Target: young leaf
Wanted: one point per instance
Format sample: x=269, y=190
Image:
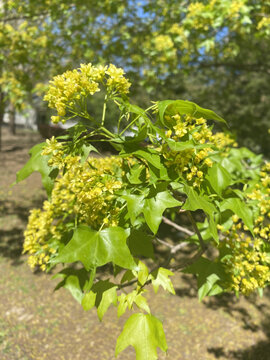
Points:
x=239, y=208
x=141, y=302
x=219, y=178
x=161, y=278
x=137, y=174
x=135, y=205
x=195, y=201
x=172, y=107
x=145, y=333
x=85, y=151
x=74, y=280
x=142, y=273
x=97, y=248
x=207, y=286
x=128, y=276
x=108, y=297
x=88, y=301
x=208, y=273
x=150, y=155
x=184, y=145
x=155, y=206
x=122, y=305
x=39, y=163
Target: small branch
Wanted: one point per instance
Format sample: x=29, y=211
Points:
x=178, y=247
x=177, y=227
x=197, y=231
x=121, y=286
x=164, y=243
x=199, y=253
x=173, y=250
x=249, y=167
x=263, y=15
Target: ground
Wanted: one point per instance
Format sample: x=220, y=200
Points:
x=37, y=323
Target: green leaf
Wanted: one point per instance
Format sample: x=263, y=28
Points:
x=184, y=145
x=140, y=244
x=142, y=273
x=135, y=204
x=150, y=155
x=138, y=137
x=207, y=114
x=161, y=278
x=135, y=109
x=88, y=301
x=145, y=333
x=155, y=206
x=128, y=276
x=141, y=302
x=130, y=298
x=207, y=286
x=97, y=248
x=195, y=201
x=172, y=107
x=208, y=273
x=39, y=163
x=219, y=178
x=137, y=174
x=85, y=151
x=108, y=297
x=122, y=305
x=74, y=280
x=241, y=209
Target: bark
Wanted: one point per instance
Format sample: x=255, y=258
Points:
x=1, y=117
x=12, y=123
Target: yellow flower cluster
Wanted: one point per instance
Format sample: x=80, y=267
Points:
x=38, y=230
x=223, y=142
x=247, y=264
x=192, y=163
x=264, y=23
x=54, y=148
x=84, y=194
x=235, y=8
x=68, y=92
x=163, y=42
x=260, y=194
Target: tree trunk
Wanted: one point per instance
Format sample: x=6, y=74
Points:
x=1, y=117
x=12, y=123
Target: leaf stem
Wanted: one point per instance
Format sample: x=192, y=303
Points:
x=104, y=110
x=128, y=126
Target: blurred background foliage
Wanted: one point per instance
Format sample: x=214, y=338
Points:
x=215, y=53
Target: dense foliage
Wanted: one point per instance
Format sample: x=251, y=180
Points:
x=172, y=167
x=215, y=51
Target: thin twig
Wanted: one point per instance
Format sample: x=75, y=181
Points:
x=199, y=253
x=164, y=243
x=179, y=246
x=197, y=231
x=177, y=227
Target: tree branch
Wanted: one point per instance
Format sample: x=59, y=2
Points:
x=197, y=231
x=177, y=227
